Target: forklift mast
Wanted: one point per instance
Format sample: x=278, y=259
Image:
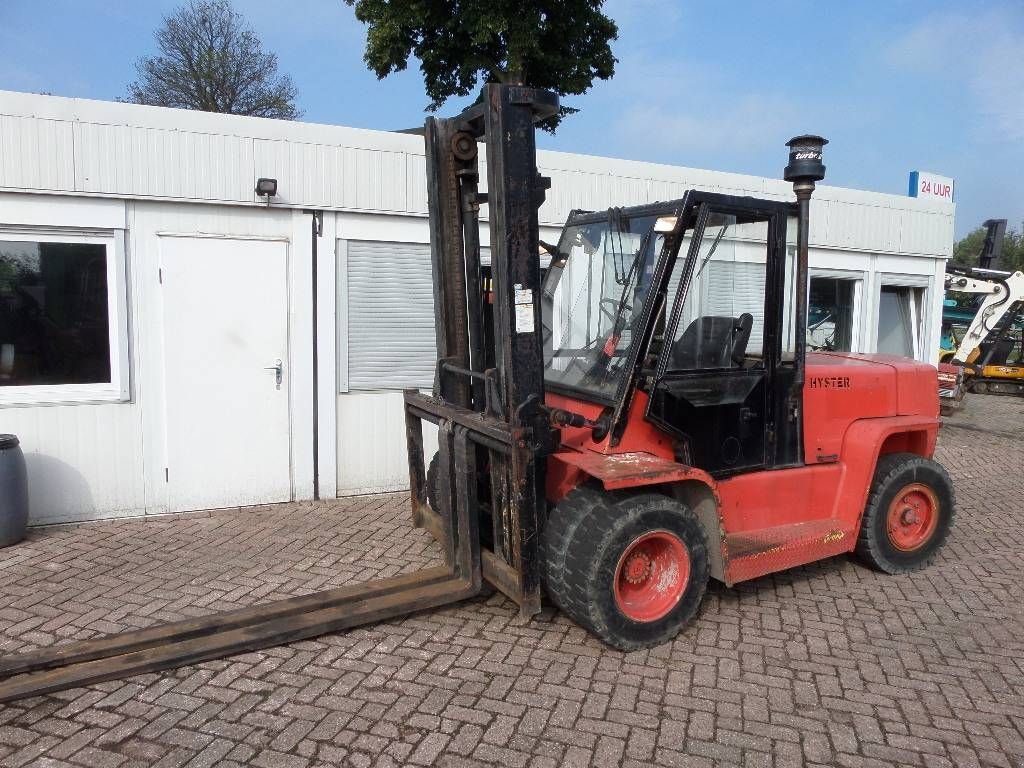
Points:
x=488, y=392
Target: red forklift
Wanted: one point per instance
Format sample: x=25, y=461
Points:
x=644, y=419
x=667, y=423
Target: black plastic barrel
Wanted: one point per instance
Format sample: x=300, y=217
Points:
x=13, y=492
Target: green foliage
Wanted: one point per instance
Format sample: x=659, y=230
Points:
x=561, y=45
x=212, y=61
x=967, y=250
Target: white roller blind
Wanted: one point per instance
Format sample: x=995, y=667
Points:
x=735, y=287
x=390, y=315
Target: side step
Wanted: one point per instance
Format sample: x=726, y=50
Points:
x=755, y=553
x=187, y=642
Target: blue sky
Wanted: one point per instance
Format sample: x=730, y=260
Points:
x=896, y=85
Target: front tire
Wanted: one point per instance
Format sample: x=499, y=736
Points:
x=908, y=516
x=433, y=483
x=632, y=569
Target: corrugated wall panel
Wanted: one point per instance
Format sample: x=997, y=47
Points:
x=377, y=464
x=572, y=190
x=84, y=461
x=118, y=159
x=289, y=163
x=374, y=180
x=927, y=233
x=416, y=183
x=36, y=154
x=126, y=151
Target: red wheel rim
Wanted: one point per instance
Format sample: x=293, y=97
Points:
x=913, y=516
x=651, y=576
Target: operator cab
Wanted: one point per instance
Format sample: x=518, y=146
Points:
x=690, y=303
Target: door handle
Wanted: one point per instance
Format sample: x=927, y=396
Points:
x=278, y=369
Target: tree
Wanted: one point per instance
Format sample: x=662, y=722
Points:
x=967, y=250
x=212, y=61
x=561, y=45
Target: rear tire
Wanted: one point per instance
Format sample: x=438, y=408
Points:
x=908, y=516
x=632, y=569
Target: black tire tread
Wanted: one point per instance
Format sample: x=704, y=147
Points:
x=869, y=547
x=433, y=489
x=563, y=522
x=592, y=531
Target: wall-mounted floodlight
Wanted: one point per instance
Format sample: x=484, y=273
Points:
x=266, y=188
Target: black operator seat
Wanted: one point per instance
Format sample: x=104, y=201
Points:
x=713, y=341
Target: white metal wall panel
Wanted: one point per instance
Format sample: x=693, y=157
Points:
x=372, y=452
x=415, y=184
x=84, y=461
x=926, y=233
x=374, y=180
x=590, y=191
x=134, y=151
x=149, y=162
x=36, y=154
x=289, y=162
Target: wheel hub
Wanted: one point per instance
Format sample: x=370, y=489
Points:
x=652, y=575
x=913, y=517
x=909, y=517
x=637, y=568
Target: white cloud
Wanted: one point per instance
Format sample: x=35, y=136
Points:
x=745, y=123
x=670, y=107
x=983, y=52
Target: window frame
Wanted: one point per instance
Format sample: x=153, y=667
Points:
x=118, y=389
x=859, y=279
x=920, y=315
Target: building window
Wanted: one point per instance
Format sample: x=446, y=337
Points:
x=61, y=319
x=830, y=314
x=899, y=320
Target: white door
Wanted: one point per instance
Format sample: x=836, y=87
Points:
x=225, y=317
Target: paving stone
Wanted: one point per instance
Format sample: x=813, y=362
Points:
x=831, y=663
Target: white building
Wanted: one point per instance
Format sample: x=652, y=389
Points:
x=157, y=323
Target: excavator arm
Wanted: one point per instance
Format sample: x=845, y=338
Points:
x=1002, y=294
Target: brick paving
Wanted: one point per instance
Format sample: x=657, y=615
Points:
x=830, y=664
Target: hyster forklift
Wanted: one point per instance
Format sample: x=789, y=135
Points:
x=644, y=420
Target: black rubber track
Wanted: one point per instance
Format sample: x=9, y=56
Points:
x=893, y=472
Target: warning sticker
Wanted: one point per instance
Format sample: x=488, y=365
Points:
x=524, y=318
x=524, y=308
